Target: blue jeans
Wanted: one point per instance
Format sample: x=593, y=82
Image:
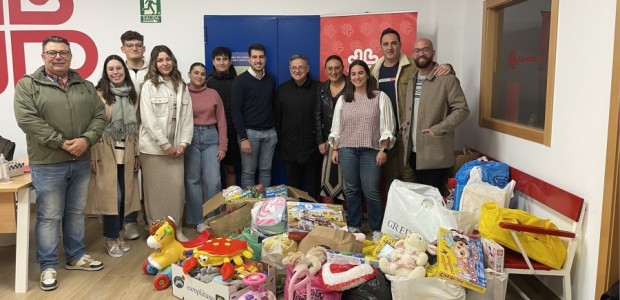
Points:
x=202, y=172
x=112, y=224
x=263, y=143
x=61, y=196
x=361, y=174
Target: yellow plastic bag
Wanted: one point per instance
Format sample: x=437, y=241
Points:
x=546, y=249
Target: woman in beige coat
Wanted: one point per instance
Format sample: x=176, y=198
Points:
x=114, y=159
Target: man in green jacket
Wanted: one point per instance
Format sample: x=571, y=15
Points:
x=62, y=117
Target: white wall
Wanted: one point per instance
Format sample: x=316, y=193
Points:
x=575, y=159
x=181, y=29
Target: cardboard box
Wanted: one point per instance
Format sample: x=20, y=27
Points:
x=460, y=260
x=232, y=218
x=493, y=255
x=303, y=217
x=186, y=287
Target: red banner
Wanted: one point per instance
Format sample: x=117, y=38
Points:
x=357, y=37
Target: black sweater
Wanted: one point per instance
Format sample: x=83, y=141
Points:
x=222, y=83
x=253, y=103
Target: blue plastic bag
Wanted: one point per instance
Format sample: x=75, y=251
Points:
x=493, y=172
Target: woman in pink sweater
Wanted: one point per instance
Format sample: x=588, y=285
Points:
x=208, y=147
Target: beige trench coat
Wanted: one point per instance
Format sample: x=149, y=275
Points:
x=102, y=198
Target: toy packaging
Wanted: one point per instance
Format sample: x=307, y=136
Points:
x=493, y=255
x=460, y=260
x=350, y=258
x=276, y=191
x=303, y=217
x=269, y=216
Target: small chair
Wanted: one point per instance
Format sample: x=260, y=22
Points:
x=559, y=202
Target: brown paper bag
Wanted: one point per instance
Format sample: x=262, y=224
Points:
x=461, y=157
x=224, y=225
x=335, y=239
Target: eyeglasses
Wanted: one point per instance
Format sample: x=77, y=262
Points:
x=134, y=46
x=300, y=68
x=425, y=50
x=52, y=54
x=333, y=69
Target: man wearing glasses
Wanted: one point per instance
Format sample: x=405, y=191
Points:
x=62, y=117
x=296, y=105
x=392, y=72
x=252, y=109
x=133, y=47
x=438, y=105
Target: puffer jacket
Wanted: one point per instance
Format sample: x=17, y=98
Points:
x=49, y=116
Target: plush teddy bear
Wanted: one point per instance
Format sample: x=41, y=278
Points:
x=312, y=260
x=408, y=258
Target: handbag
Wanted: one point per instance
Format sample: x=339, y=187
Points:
x=463, y=156
x=7, y=148
x=546, y=249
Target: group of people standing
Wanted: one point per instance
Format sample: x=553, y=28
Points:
x=336, y=138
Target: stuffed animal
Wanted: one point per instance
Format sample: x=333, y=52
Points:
x=313, y=260
x=408, y=258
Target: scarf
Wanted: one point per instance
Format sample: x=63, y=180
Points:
x=124, y=119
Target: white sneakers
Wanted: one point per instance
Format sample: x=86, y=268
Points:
x=131, y=231
x=48, y=280
x=201, y=227
x=376, y=236
x=354, y=229
x=180, y=236
x=85, y=263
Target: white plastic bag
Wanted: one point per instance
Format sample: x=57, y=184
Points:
x=477, y=192
x=426, y=288
x=277, y=247
x=496, y=287
x=413, y=207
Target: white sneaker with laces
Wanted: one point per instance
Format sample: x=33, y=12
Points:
x=131, y=231
x=85, y=263
x=376, y=236
x=354, y=229
x=48, y=280
x=201, y=227
x=180, y=236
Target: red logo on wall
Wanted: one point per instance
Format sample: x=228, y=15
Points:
x=514, y=59
x=357, y=37
x=19, y=38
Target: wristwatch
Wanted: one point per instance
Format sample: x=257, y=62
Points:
x=384, y=150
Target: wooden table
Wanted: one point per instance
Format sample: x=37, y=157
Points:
x=15, y=218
